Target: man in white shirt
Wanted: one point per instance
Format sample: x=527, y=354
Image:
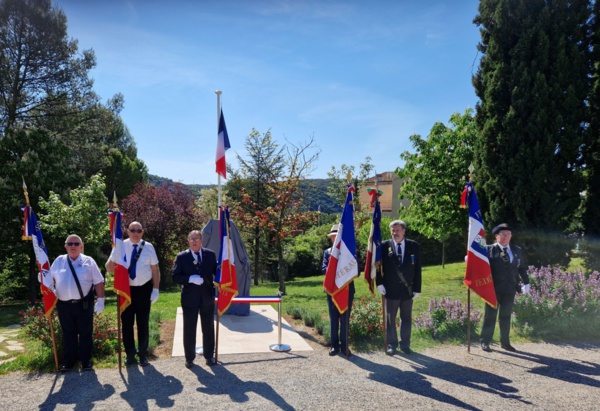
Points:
x=75, y=275
x=144, y=279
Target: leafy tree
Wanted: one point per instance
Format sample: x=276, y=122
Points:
x=435, y=176
x=208, y=201
x=533, y=83
x=85, y=214
x=337, y=190
x=39, y=65
x=167, y=213
x=247, y=191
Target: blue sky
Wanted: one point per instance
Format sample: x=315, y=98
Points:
x=359, y=76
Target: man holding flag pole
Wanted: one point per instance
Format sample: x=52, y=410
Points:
x=341, y=271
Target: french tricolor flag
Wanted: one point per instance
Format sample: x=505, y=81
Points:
x=222, y=146
x=478, y=275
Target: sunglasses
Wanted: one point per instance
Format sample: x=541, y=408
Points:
x=73, y=244
x=135, y=230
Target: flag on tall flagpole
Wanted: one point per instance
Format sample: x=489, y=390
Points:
x=33, y=232
x=121, y=280
x=478, y=275
x=226, y=276
x=374, y=248
x=222, y=146
x=343, y=266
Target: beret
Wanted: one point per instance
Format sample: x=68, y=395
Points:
x=501, y=227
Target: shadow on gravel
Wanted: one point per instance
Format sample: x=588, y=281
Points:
x=563, y=370
x=145, y=384
x=223, y=382
x=416, y=383
x=81, y=390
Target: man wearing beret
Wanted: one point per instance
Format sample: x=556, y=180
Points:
x=507, y=265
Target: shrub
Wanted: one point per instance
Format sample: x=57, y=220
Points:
x=560, y=305
x=37, y=328
x=366, y=319
x=446, y=319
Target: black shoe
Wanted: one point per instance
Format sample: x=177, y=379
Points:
x=334, y=351
x=347, y=353
x=390, y=350
x=486, y=347
x=211, y=361
x=407, y=351
x=66, y=368
x=508, y=347
x=189, y=364
x=87, y=366
x=144, y=361
x=130, y=361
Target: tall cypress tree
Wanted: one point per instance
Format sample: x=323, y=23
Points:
x=532, y=82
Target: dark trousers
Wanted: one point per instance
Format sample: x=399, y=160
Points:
x=391, y=311
x=338, y=323
x=503, y=312
x=77, y=326
x=137, y=312
x=190, y=324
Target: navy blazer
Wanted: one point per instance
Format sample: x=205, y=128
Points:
x=193, y=295
x=506, y=273
x=410, y=268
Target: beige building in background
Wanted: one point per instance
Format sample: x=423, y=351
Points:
x=389, y=183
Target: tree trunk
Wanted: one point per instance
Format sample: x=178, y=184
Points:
x=443, y=254
x=281, y=268
x=256, y=261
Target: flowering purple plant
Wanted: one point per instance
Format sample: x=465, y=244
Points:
x=560, y=304
x=446, y=319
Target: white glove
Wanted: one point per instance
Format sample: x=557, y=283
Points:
x=381, y=289
x=466, y=258
x=196, y=279
x=154, y=296
x=99, y=307
x=525, y=289
x=416, y=295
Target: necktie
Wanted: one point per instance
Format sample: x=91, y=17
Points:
x=400, y=253
x=131, y=265
x=199, y=257
x=505, y=257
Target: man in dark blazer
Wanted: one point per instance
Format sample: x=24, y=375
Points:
x=194, y=270
x=400, y=282
x=507, y=265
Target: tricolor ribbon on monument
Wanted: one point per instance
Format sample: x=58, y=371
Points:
x=373, y=260
x=33, y=232
x=478, y=275
x=226, y=276
x=121, y=280
x=343, y=266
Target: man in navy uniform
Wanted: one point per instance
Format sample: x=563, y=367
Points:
x=507, y=265
x=194, y=270
x=400, y=283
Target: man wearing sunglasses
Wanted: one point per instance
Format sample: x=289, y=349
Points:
x=76, y=276
x=507, y=265
x=144, y=279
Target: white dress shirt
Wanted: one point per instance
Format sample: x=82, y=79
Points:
x=87, y=273
x=148, y=258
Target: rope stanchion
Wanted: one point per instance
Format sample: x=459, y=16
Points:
x=279, y=347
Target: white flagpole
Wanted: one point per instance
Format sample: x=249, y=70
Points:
x=218, y=93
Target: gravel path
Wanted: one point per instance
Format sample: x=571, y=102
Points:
x=539, y=376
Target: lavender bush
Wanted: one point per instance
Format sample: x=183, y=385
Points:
x=561, y=305
x=446, y=319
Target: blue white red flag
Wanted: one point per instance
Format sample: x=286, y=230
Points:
x=121, y=280
x=478, y=275
x=374, y=248
x=33, y=232
x=222, y=146
x=343, y=266
x=226, y=276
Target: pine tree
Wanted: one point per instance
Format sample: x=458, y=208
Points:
x=532, y=82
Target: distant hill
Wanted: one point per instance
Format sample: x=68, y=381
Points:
x=315, y=193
